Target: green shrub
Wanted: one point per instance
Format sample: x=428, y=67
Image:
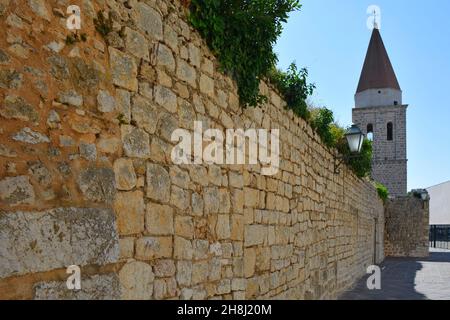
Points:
x=383, y=192
x=333, y=136
x=242, y=35
x=294, y=87
x=321, y=121
x=361, y=165
x=103, y=24
x=74, y=38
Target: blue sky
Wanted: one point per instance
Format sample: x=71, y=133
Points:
x=330, y=38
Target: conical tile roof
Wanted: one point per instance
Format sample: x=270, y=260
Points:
x=377, y=72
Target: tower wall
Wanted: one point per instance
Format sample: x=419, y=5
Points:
x=389, y=157
x=378, y=97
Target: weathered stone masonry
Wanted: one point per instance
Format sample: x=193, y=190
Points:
x=407, y=227
x=86, y=176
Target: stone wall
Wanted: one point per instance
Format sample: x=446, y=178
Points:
x=407, y=227
x=86, y=176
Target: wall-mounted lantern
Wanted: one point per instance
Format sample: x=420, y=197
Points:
x=355, y=139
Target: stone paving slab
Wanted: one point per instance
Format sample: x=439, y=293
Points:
x=408, y=279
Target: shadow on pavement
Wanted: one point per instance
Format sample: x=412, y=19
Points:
x=401, y=277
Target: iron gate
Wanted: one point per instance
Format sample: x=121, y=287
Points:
x=440, y=236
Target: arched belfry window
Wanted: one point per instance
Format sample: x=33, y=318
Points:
x=370, y=132
x=390, y=131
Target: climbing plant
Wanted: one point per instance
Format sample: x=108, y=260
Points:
x=333, y=135
x=294, y=87
x=382, y=190
x=242, y=33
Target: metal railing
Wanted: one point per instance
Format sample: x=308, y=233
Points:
x=440, y=236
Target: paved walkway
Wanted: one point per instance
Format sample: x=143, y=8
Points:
x=409, y=279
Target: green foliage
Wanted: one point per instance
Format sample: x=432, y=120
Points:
x=70, y=40
x=383, y=192
x=321, y=120
x=242, y=34
x=333, y=136
x=362, y=165
x=121, y=118
x=294, y=87
x=103, y=24
x=74, y=38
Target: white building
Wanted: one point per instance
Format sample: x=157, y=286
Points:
x=440, y=204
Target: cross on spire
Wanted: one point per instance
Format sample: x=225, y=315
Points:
x=375, y=24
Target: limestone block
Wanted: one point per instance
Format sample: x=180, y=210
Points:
x=251, y=197
x=182, y=249
x=105, y=101
x=254, y=235
x=136, y=44
x=129, y=208
x=207, y=85
x=199, y=272
x=200, y=248
x=237, y=227
x=194, y=55
x=186, y=73
x=180, y=198
x=215, y=269
x=165, y=58
x=149, y=21
x=148, y=248
x=164, y=268
x=211, y=199
x=97, y=184
x=249, y=262
x=136, y=281
x=71, y=98
x=166, y=98
x=126, y=246
x=39, y=8
x=136, y=142
x=56, y=238
x=96, y=287
x=144, y=114
x=125, y=174
x=29, y=136
x=123, y=70
x=124, y=104
x=16, y=190
x=184, y=273
x=17, y=108
x=224, y=286
x=223, y=226
x=158, y=183
x=197, y=204
x=88, y=151
x=159, y=219
x=184, y=227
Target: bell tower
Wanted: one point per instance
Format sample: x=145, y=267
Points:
x=379, y=111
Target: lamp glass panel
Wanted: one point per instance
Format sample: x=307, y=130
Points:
x=354, y=142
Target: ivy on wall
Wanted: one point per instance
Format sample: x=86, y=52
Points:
x=383, y=192
x=294, y=88
x=241, y=34
x=333, y=136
